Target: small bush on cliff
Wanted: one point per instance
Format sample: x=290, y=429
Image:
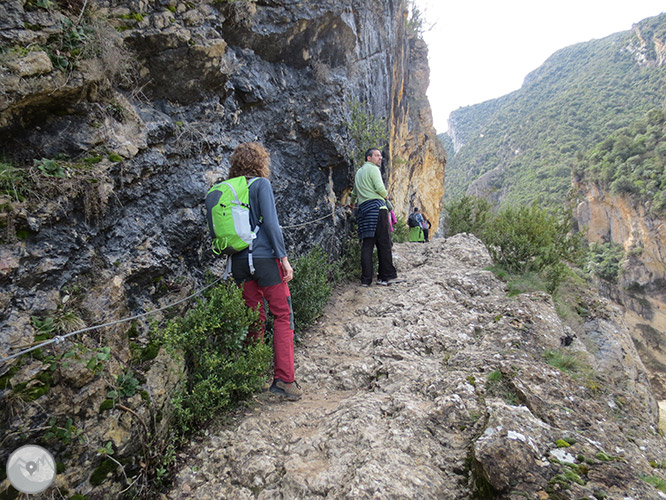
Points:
x=85, y=33
x=401, y=232
x=365, y=131
x=12, y=181
x=222, y=367
x=467, y=214
x=604, y=261
x=522, y=241
x=530, y=239
x=414, y=22
x=566, y=361
x=350, y=258
x=311, y=287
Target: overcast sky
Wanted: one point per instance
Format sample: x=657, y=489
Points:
x=483, y=49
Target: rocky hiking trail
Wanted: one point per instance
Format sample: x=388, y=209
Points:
x=439, y=388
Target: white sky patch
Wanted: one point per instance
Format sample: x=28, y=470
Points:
x=484, y=49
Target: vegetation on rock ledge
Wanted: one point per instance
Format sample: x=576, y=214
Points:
x=631, y=162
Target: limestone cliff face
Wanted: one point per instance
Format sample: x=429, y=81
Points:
x=647, y=47
x=415, y=152
x=641, y=285
x=115, y=118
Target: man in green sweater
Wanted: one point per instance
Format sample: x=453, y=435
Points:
x=373, y=224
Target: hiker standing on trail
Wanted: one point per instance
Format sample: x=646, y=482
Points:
x=426, y=228
x=373, y=223
x=272, y=268
x=420, y=226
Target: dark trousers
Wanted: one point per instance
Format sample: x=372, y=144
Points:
x=381, y=239
x=426, y=233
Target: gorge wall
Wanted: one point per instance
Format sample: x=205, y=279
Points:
x=415, y=155
x=641, y=284
x=115, y=118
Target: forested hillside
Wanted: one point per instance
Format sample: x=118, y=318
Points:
x=448, y=144
x=632, y=161
x=521, y=147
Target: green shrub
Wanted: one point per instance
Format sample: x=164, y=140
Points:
x=530, y=239
x=365, y=131
x=401, y=230
x=311, y=287
x=222, y=367
x=655, y=481
x=530, y=247
x=50, y=167
x=631, y=161
x=12, y=181
x=349, y=264
x=604, y=260
x=467, y=214
x=568, y=362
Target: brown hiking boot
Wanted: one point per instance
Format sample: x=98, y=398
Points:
x=290, y=391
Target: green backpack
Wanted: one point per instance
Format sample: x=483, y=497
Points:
x=228, y=217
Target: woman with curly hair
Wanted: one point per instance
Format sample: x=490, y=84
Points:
x=272, y=268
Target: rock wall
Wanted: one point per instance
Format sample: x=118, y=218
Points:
x=115, y=118
x=641, y=286
x=414, y=154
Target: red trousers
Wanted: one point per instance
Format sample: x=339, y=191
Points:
x=279, y=303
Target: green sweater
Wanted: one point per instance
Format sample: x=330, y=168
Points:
x=368, y=184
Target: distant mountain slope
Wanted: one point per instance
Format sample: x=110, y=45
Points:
x=520, y=147
x=447, y=143
x=631, y=162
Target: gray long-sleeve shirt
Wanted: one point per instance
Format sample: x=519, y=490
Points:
x=269, y=242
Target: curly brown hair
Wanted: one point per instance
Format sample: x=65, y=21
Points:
x=251, y=160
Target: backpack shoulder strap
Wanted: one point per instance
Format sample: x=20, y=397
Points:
x=250, y=181
x=256, y=229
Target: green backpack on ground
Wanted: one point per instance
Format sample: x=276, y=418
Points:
x=228, y=217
